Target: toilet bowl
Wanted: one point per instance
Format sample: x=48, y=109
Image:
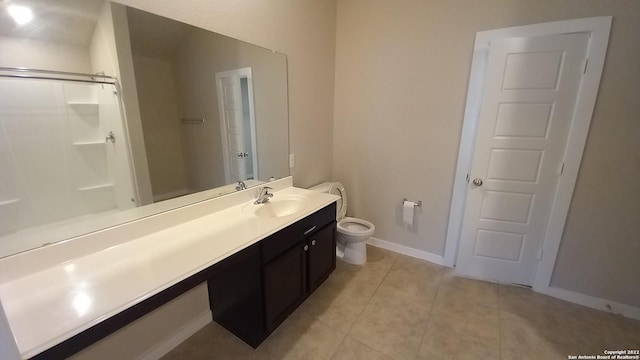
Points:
x=352, y=232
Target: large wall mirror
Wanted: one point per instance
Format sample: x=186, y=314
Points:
x=109, y=113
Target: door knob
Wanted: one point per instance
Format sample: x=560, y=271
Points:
x=477, y=182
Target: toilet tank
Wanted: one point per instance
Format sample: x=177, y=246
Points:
x=334, y=188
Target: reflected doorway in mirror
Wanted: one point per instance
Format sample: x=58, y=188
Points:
x=237, y=124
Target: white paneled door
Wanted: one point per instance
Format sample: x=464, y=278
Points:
x=528, y=104
x=233, y=127
x=237, y=124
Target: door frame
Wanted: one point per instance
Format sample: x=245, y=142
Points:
x=242, y=73
x=599, y=29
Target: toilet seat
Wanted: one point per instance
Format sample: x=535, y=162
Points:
x=356, y=227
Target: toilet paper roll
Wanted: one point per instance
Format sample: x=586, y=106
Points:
x=407, y=212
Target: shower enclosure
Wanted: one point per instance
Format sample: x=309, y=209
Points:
x=64, y=153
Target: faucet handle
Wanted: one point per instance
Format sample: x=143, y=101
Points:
x=264, y=195
x=241, y=185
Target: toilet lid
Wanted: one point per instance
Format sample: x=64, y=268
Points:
x=337, y=188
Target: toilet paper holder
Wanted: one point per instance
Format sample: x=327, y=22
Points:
x=417, y=203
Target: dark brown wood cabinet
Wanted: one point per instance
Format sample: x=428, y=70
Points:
x=321, y=256
x=255, y=290
x=284, y=285
x=235, y=289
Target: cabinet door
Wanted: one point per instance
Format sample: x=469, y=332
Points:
x=322, y=255
x=284, y=285
x=235, y=295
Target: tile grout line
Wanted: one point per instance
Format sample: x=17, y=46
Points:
x=367, y=304
x=499, y=321
x=433, y=304
x=337, y=347
x=344, y=336
x=360, y=315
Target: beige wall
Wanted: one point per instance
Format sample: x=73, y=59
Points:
x=35, y=54
x=402, y=70
x=160, y=126
x=111, y=42
x=199, y=57
x=140, y=339
x=104, y=56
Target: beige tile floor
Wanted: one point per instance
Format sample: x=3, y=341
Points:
x=397, y=307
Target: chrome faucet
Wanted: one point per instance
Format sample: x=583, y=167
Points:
x=111, y=137
x=241, y=185
x=264, y=195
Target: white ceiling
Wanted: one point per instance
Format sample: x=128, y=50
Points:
x=63, y=21
x=72, y=22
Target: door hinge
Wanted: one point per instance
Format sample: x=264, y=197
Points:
x=586, y=63
x=540, y=254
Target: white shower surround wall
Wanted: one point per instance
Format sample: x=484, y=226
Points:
x=56, y=163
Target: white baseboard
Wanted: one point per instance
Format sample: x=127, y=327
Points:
x=592, y=302
x=405, y=250
x=178, y=337
x=567, y=295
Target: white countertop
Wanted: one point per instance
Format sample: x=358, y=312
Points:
x=55, y=302
x=33, y=237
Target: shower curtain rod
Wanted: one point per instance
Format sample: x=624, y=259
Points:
x=26, y=73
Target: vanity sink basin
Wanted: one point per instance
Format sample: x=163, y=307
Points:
x=280, y=206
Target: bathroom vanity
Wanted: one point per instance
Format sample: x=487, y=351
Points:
x=253, y=291
x=260, y=263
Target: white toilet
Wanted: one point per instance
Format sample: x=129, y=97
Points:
x=352, y=233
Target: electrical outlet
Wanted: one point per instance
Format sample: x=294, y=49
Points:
x=292, y=161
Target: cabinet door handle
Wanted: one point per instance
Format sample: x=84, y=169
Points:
x=310, y=230
x=306, y=248
x=313, y=242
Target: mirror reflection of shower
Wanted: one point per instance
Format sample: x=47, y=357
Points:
x=56, y=158
x=166, y=73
